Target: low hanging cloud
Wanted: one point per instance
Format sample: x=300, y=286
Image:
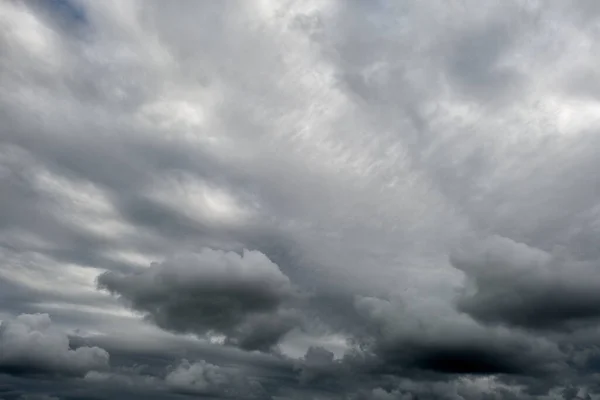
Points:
x=319, y=368
x=242, y=297
x=464, y=388
x=403, y=341
x=513, y=284
x=188, y=378
x=203, y=378
x=37, y=397
x=29, y=344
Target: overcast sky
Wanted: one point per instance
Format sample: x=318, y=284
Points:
x=310, y=199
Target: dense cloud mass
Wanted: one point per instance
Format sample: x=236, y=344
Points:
x=451, y=344
x=29, y=344
x=299, y=199
x=239, y=296
x=515, y=284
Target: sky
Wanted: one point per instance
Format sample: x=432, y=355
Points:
x=312, y=200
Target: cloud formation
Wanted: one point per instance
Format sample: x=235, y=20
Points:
x=514, y=284
x=207, y=379
x=29, y=344
x=405, y=340
x=305, y=199
x=238, y=296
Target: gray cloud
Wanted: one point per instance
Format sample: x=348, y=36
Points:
x=406, y=341
x=206, y=379
x=37, y=397
x=29, y=344
x=239, y=296
x=512, y=283
x=317, y=361
x=357, y=145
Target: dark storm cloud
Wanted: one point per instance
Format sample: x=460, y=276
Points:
x=239, y=296
x=511, y=283
x=317, y=361
x=405, y=344
x=353, y=145
x=467, y=359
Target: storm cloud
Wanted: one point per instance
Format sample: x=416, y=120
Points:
x=299, y=199
x=239, y=296
x=514, y=284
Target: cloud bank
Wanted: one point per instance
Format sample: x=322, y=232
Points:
x=334, y=200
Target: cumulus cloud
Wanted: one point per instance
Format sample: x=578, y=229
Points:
x=208, y=379
x=123, y=378
x=514, y=284
x=318, y=356
x=29, y=344
x=197, y=378
x=404, y=339
x=318, y=365
x=464, y=388
x=238, y=296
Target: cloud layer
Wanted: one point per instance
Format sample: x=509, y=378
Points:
x=335, y=200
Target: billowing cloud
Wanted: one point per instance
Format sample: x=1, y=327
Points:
x=511, y=283
x=405, y=340
x=206, y=379
x=319, y=369
x=29, y=344
x=238, y=296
